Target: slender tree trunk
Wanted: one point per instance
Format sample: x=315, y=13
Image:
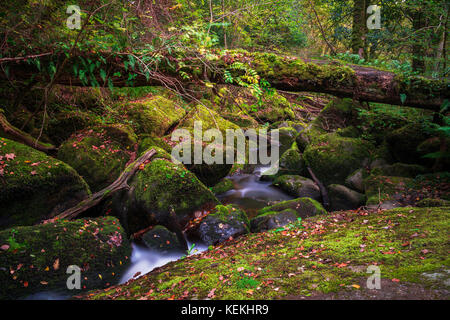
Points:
x=359, y=29
x=418, y=52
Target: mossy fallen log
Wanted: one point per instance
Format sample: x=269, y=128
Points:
x=282, y=72
x=9, y=131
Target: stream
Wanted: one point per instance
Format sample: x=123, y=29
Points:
x=249, y=193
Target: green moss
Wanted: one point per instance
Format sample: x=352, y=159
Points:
x=223, y=186
x=149, y=141
x=381, y=188
x=99, y=154
x=305, y=207
x=35, y=185
x=326, y=254
x=332, y=158
x=159, y=186
x=154, y=115
x=99, y=247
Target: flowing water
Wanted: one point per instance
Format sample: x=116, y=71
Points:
x=249, y=193
x=252, y=194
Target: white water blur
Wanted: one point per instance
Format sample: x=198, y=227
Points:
x=144, y=260
x=251, y=193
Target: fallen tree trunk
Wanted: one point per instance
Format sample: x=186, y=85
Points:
x=284, y=73
x=120, y=184
x=18, y=135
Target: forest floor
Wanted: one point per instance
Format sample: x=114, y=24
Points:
x=323, y=257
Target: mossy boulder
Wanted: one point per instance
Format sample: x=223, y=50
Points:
x=332, y=157
x=286, y=136
x=67, y=122
x=273, y=220
x=159, y=186
x=241, y=120
x=291, y=162
x=298, y=186
x=403, y=143
x=304, y=207
x=223, y=223
x=356, y=180
x=151, y=141
x=343, y=198
x=209, y=119
x=162, y=239
x=152, y=115
x=399, y=170
x=310, y=135
x=35, y=186
x=35, y=258
x=99, y=154
x=223, y=186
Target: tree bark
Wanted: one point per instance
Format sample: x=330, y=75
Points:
x=282, y=72
x=359, y=28
x=18, y=135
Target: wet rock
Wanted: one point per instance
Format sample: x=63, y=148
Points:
x=356, y=180
x=343, y=198
x=160, y=238
x=223, y=223
x=298, y=186
x=273, y=220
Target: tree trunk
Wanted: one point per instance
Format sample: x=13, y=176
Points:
x=418, y=52
x=282, y=72
x=18, y=135
x=359, y=28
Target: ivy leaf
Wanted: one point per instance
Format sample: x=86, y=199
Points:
x=403, y=98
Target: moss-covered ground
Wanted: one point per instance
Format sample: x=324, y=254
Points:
x=319, y=256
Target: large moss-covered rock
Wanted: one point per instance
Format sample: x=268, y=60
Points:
x=154, y=115
x=343, y=198
x=36, y=258
x=332, y=158
x=305, y=207
x=403, y=143
x=286, y=136
x=273, y=220
x=99, y=154
x=356, y=180
x=35, y=186
x=162, y=239
x=209, y=174
x=310, y=135
x=298, y=186
x=223, y=223
x=291, y=162
x=159, y=186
